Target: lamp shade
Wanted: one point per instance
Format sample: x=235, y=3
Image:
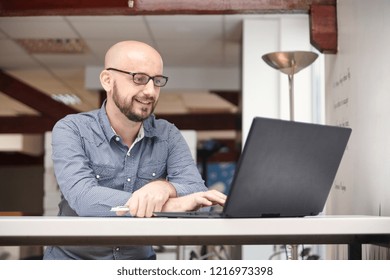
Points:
x=290, y=62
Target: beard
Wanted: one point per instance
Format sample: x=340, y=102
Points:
x=128, y=109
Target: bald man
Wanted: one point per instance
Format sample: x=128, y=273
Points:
x=122, y=155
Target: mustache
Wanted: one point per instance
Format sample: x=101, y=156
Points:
x=145, y=99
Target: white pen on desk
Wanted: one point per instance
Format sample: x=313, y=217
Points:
x=120, y=208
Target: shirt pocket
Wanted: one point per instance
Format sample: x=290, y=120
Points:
x=104, y=174
x=150, y=172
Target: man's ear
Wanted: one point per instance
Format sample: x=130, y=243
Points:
x=106, y=80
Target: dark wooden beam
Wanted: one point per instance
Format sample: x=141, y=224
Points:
x=221, y=6
x=232, y=96
x=150, y=7
x=323, y=28
x=18, y=159
x=204, y=121
x=26, y=124
x=63, y=7
x=33, y=98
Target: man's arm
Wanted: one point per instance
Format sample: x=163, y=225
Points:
x=76, y=179
x=145, y=201
x=194, y=201
x=150, y=198
x=184, y=189
x=183, y=173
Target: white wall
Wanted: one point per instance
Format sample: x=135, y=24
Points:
x=358, y=96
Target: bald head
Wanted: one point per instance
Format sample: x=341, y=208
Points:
x=134, y=56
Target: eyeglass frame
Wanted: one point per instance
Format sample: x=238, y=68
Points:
x=133, y=74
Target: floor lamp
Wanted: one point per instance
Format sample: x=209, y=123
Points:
x=290, y=63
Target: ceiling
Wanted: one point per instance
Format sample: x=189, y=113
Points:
x=181, y=39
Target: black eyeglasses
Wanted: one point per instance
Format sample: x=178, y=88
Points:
x=143, y=79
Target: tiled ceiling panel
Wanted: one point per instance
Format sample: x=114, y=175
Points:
x=189, y=27
x=37, y=27
x=67, y=60
x=113, y=27
x=13, y=56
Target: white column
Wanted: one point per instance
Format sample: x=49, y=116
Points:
x=51, y=191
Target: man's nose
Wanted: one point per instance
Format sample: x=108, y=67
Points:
x=150, y=89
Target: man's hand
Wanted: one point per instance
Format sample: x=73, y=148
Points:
x=150, y=198
x=194, y=201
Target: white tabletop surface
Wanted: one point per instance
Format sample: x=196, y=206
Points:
x=125, y=226
x=31, y=230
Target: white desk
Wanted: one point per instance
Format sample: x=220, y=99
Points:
x=351, y=230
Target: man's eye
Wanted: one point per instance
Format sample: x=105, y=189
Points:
x=158, y=81
x=141, y=79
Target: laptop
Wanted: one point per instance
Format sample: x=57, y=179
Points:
x=286, y=169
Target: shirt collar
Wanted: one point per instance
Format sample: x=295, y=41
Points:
x=150, y=127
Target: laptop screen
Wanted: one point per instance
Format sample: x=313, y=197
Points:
x=286, y=169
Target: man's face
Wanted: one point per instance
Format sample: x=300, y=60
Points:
x=136, y=102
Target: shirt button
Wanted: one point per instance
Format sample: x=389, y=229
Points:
x=128, y=179
x=117, y=138
x=117, y=249
x=97, y=176
x=153, y=174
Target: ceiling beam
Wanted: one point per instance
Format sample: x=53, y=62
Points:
x=33, y=98
x=200, y=121
x=323, y=28
x=232, y=96
x=220, y=6
x=205, y=121
x=150, y=7
x=50, y=110
x=26, y=124
x=19, y=159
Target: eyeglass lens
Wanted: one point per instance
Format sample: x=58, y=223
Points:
x=143, y=79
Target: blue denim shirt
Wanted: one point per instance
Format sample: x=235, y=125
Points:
x=95, y=171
